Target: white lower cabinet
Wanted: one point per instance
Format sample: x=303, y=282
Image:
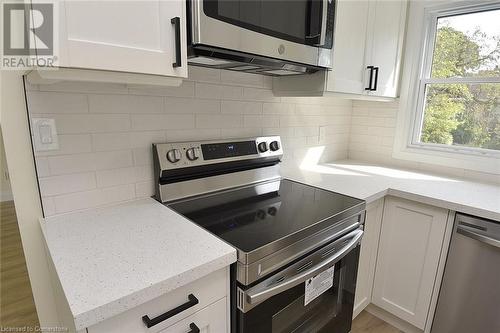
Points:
x=211, y=319
x=409, y=251
x=209, y=313
x=368, y=256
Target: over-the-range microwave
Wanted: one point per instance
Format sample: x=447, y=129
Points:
x=273, y=37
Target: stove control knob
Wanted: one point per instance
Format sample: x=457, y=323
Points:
x=174, y=155
x=275, y=145
x=261, y=214
x=262, y=147
x=192, y=154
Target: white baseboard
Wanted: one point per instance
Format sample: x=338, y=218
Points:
x=392, y=319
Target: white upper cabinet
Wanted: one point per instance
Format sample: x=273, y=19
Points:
x=409, y=252
x=366, y=56
x=351, y=27
x=385, y=45
x=127, y=36
x=368, y=45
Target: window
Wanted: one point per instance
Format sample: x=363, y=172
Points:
x=459, y=90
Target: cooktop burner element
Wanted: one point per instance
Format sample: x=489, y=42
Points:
x=252, y=217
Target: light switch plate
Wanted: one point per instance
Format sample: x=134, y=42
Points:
x=45, y=134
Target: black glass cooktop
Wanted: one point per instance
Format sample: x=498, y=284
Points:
x=252, y=217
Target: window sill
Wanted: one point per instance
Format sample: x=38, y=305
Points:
x=449, y=158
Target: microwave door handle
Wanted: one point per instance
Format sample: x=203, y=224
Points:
x=258, y=294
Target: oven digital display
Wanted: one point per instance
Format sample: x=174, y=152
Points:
x=214, y=151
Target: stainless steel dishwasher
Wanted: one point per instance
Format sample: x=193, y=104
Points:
x=469, y=299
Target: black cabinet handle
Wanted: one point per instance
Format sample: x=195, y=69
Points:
x=369, y=88
x=192, y=301
x=176, y=21
x=194, y=328
x=376, y=78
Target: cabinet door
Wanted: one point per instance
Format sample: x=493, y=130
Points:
x=409, y=249
x=385, y=44
x=211, y=319
x=126, y=36
x=368, y=256
x=348, y=69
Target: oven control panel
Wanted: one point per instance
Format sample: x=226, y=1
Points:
x=190, y=154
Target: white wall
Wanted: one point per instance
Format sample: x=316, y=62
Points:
x=372, y=137
x=5, y=190
x=105, y=131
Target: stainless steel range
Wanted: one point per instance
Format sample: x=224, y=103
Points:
x=298, y=245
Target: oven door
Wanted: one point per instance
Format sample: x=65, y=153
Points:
x=299, y=31
x=277, y=304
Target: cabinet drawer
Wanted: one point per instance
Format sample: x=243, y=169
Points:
x=211, y=319
x=206, y=290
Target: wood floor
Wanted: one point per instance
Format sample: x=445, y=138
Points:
x=368, y=323
x=17, y=309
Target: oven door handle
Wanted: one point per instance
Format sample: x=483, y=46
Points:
x=260, y=293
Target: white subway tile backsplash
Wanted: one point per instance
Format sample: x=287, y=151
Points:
x=186, y=89
x=71, y=164
x=85, y=87
x=281, y=131
x=90, y=123
x=95, y=198
x=143, y=156
x=278, y=108
x=210, y=91
x=203, y=74
x=56, y=185
x=145, y=139
x=191, y=105
x=113, y=160
x=193, y=134
x=50, y=102
x=306, y=131
x=145, y=189
x=125, y=104
x=246, y=79
x=106, y=130
x=111, y=141
x=108, y=178
x=238, y=107
x=70, y=144
x=235, y=133
x=260, y=121
x=158, y=122
x=42, y=166
x=263, y=95
x=218, y=121
x=48, y=205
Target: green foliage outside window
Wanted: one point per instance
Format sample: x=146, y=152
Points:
x=463, y=114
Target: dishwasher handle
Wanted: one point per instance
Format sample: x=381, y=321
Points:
x=476, y=236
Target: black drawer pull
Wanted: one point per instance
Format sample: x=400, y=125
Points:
x=194, y=328
x=192, y=301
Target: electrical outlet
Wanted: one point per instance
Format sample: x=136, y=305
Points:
x=45, y=134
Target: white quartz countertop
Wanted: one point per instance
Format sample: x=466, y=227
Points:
x=371, y=182
x=112, y=259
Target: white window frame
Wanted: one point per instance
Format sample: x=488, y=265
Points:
x=421, y=35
